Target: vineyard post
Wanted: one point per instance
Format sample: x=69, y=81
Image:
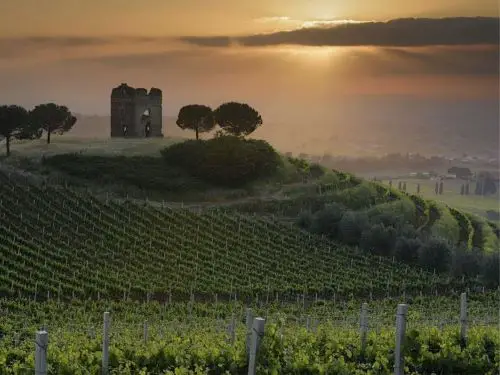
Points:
x=463, y=319
x=233, y=330
x=42, y=341
x=257, y=334
x=364, y=326
x=145, y=332
x=400, y=335
x=249, y=318
x=105, y=344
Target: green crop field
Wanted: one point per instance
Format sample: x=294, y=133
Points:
x=451, y=195
x=85, y=246
x=177, y=281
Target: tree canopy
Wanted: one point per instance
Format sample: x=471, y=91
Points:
x=52, y=118
x=14, y=123
x=196, y=117
x=237, y=118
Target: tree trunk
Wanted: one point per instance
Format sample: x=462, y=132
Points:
x=48, y=136
x=7, y=144
x=197, y=136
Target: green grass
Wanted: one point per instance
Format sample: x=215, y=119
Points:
x=145, y=173
x=89, y=146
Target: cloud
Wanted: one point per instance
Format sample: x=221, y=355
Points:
x=396, y=33
x=433, y=60
x=356, y=62
x=31, y=45
x=216, y=41
x=273, y=19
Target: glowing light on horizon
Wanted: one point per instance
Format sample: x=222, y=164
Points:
x=329, y=23
x=316, y=56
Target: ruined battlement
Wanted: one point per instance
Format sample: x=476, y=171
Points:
x=135, y=112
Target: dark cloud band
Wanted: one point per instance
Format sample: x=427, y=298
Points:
x=408, y=32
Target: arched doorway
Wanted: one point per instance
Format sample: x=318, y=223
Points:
x=123, y=121
x=146, y=122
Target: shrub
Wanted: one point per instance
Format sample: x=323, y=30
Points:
x=326, y=221
x=467, y=262
x=305, y=220
x=378, y=240
x=406, y=250
x=316, y=171
x=490, y=267
x=394, y=213
x=351, y=227
x=361, y=196
x=227, y=161
x=436, y=254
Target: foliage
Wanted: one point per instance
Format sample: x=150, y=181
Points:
x=466, y=227
x=436, y=254
x=52, y=118
x=484, y=236
x=326, y=221
x=445, y=226
x=147, y=174
x=237, y=118
x=351, y=227
x=60, y=242
x=303, y=170
x=491, y=269
x=14, y=123
x=406, y=250
x=379, y=239
x=395, y=213
x=467, y=262
x=196, y=117
x=191, y=338
x=226, y=161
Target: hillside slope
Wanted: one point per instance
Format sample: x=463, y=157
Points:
x=57, y=241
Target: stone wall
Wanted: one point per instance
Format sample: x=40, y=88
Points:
x=127, y=107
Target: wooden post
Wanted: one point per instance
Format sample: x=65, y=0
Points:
x=233, y=330
x=257, y=334
x=400, y=335
x=363, y=326
x=41, y=344
x=105, y=344
x=248, y=321
x=463, y=320
x=145, y=332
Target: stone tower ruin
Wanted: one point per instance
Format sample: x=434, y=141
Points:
x=135, y=112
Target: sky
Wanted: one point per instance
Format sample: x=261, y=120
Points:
x=336, y=67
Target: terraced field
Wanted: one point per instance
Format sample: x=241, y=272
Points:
x=427, y=216
x=60, y=242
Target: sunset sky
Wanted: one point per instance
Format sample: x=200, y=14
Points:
x=294, y=60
